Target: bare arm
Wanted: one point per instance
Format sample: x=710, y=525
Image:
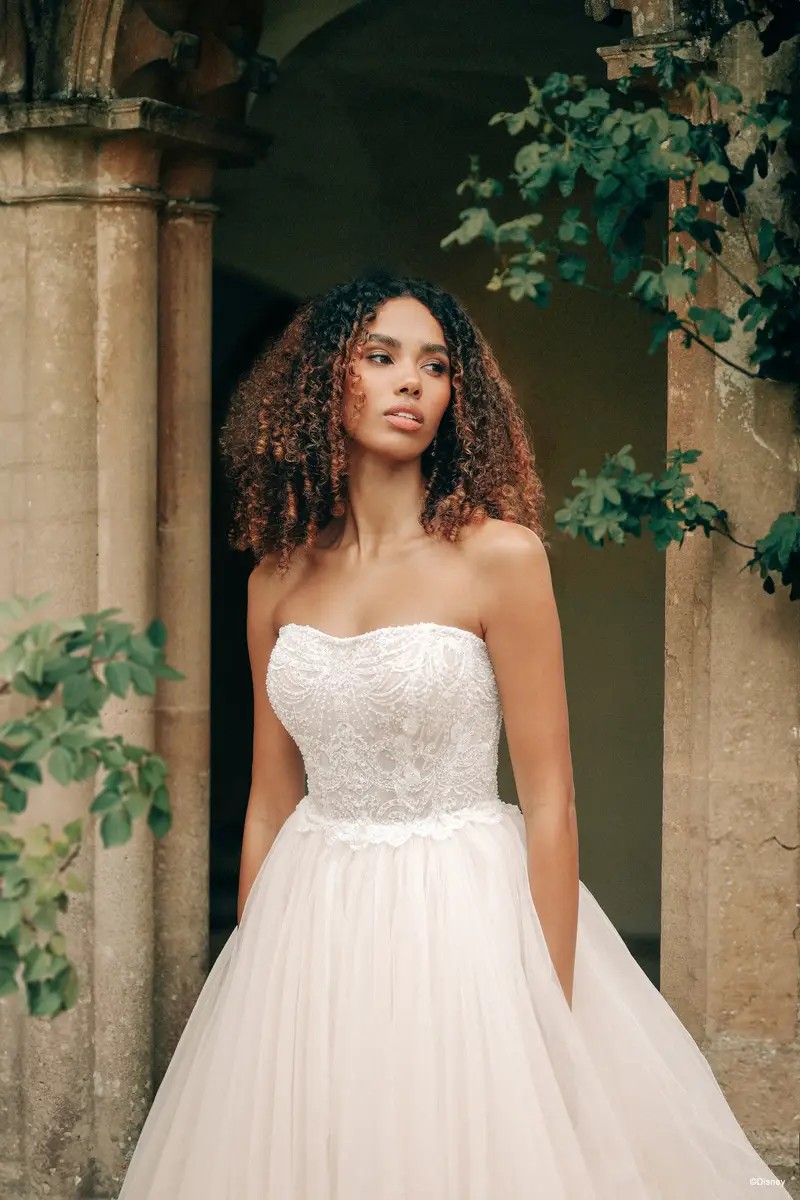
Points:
x=278, y=777
x=523, y=635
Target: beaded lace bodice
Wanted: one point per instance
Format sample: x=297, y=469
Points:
x=398, y=728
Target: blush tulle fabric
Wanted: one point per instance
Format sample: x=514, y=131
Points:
x=385, y=1022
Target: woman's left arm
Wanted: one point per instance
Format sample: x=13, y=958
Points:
x=523, y=636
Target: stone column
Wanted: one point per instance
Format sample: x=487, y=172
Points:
x=184, y=470
x=731, y=846
x=731, y=770
x=127, y=380
x=78, y=233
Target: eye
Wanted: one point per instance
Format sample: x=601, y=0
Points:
x=441, y=368
x=379, y=354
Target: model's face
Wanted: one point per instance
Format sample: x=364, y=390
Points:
x=403, y=364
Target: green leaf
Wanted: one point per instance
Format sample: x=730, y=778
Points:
x=712, y=323
x=60, y=765
x=13, y=609
x=726, y=93
x=105, y=800
x=15, y=881
x=766, y=239
x=157, y=633
x=160, y=822
x=143, y=680
x=44, y=999
x=668, y=323
x=58, y=943
x=8, y=983
x=75, y=883
x=571, y=268
x=608, y=185
x=35, y=751
x=68, y=981
x=112, y=755
x=166, y=672
x=649, y=288
x=514, y=122
x=75, y=738
x=518, y=230
x=73, y=830
x=117, y=781
x=10, y=914
x=38, y=965
x=14, y=799
x=76, y=691
x=475, y=223
x=677, y=281
x=23, y=685
x=558, y=84
x=136, y=804
x=118, y=677
x=115, y=827
x=160, y=799
x=10, y=659
x=86, y=766
x=777, y=127
x=572, y=229
x=116, y=635
x=153, y=772
x=24, y=775
x=712, y=172
x=142, y=650
x=762, y=353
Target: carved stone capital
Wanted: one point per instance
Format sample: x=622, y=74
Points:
x=641, y=51
x=164, y=125
x=179, y=70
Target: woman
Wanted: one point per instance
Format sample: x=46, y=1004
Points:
x=421, y=1001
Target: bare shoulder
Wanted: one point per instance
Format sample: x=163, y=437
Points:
x=497, y=544
x=510, y=569
x=264, y=575
x=264, y=588
x=267, y=589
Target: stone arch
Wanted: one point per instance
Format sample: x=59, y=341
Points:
x=87, y=31
x=197, y=54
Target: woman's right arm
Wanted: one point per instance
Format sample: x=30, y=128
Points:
x=278, y=775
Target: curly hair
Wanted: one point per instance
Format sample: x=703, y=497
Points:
x=285, y=447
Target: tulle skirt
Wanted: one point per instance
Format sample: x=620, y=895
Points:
x=386, y=1024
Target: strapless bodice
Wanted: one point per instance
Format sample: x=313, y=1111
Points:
x=398, y=728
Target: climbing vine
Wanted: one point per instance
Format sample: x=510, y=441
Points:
x=67, y=671
x=632, y=151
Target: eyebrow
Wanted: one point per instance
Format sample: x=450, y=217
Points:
x=387, y=340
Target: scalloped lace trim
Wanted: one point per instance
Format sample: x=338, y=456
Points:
x=360, y=834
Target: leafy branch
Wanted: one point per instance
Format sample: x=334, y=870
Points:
x=620, y=501
x=67, y=670
x=631, y=152
x=634, y=154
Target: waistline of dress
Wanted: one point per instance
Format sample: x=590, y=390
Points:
x=309, y=817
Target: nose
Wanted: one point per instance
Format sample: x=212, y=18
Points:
x=411, y=386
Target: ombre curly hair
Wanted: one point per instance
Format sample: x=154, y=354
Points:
x=285, y=447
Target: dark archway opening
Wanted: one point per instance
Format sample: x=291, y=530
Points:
x=245, y=316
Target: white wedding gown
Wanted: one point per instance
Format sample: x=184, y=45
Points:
x=385, y=1022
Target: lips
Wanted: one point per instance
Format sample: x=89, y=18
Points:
x=402, y=421
x=407, y=409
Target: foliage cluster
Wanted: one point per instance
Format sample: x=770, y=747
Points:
x=631, y=150
x=67, y=671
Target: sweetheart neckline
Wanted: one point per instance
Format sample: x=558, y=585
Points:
x=355, y=637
